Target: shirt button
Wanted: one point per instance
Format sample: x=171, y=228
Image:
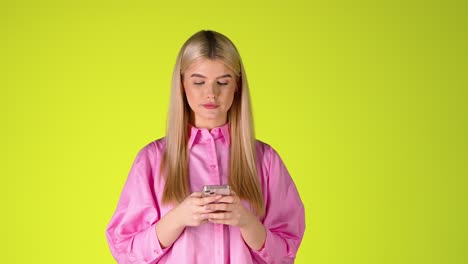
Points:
x=212, y=167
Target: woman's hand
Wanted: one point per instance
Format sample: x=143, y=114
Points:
x=192, y=210
x=233, y=213
x=187, y=213
x=229, y=211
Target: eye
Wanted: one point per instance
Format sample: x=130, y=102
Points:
x=223, y=83
x=198, y=83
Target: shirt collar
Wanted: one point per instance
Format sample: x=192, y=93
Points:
x=203, y=135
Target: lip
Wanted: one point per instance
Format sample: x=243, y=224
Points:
x=210, y=106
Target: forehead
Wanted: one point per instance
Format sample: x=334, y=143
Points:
x=208, y=67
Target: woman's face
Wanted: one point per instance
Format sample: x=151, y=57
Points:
x=209, y=86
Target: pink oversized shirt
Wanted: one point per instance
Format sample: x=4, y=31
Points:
x=131, y=232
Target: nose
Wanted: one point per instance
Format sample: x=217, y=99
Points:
x=211, y=91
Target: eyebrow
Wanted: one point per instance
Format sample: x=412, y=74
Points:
x=202, y=76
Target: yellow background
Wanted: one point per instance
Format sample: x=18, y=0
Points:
x=366, y=102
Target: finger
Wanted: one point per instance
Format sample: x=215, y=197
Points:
x=202, y=219
x=228, y=199
x=218, y=221
x=200, y=201
x=205, y=216
x=210, y=199
x=219, y=216
x=202, y=209
x=219, y=207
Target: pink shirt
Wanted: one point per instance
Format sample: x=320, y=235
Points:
x=131, y=232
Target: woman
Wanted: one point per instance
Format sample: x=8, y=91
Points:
x=162, y=215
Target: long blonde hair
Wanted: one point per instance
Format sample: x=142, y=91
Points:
x=243, y=176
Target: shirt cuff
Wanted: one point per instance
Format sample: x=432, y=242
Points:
x=263, y=253
x=152, y=247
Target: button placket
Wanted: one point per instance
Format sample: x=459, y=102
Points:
x=213, y=162
x=219, y=250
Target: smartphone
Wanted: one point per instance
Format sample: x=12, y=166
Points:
x=216, y=189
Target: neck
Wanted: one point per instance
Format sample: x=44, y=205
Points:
x=210, y=124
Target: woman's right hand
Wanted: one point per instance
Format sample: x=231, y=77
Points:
x=192, y=212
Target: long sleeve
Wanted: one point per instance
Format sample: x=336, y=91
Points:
x=284, y=217
x=131, y=233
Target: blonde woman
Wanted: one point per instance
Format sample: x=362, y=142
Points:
x=164, y=217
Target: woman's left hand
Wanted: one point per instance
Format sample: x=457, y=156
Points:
x=232, y=212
